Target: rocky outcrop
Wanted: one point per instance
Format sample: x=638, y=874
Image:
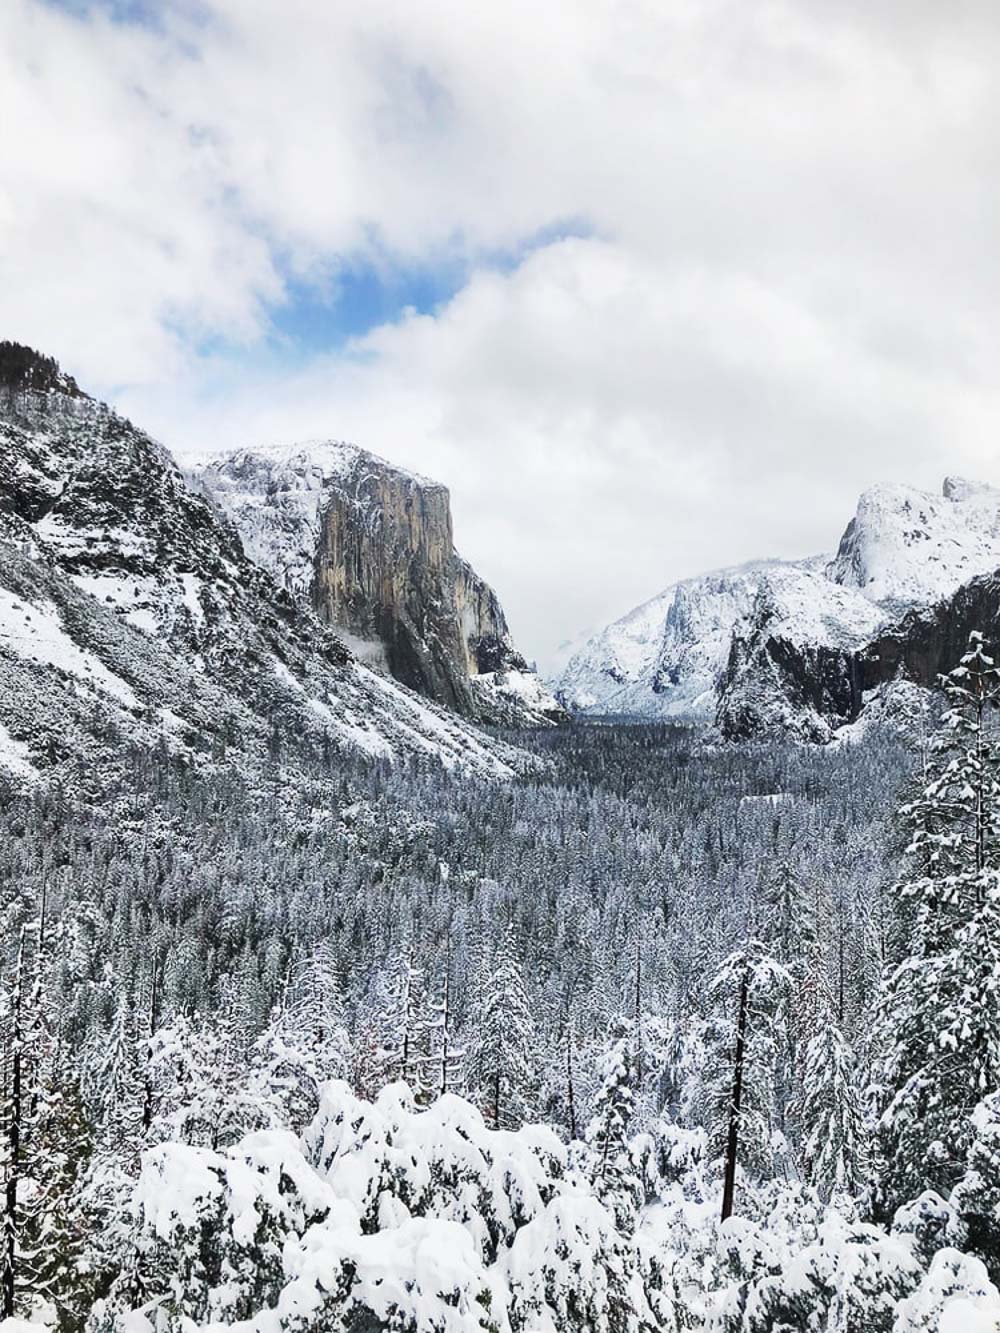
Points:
x=370, y=547
x=788, y=645
x=926, y=644
x=772, y=684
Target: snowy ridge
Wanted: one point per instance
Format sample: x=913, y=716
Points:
x=663, y=659
x=275, y=495
x=670, y=657
x=906, y=547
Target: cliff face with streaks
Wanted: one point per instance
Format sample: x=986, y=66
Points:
x=370, y=546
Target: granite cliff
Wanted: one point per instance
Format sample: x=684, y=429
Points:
x=370, y=548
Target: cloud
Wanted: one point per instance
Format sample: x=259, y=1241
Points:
x=786, y=290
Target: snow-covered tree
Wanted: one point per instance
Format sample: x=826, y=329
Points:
x=835, y=1140
x=612, y=1170
x=939, y=1015
x=743, y=1040
x=442, y=1070
x=502, y=1046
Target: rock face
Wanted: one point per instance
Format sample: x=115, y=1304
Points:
x=370, y=547
x=925, y=644
x=793, y=645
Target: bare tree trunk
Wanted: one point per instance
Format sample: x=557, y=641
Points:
x=10, y=1218
x=732, y=1142
x=570, y=1092
x=147, y=1085
x=446, y=1016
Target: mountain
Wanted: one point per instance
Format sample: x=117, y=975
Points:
x=906, y=547
x=662, y=659
x=131, y=614
x=369, y=548
x=772, y=643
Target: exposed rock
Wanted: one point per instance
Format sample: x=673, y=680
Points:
x=924, y=645
x=814, y=690
x=370, y=547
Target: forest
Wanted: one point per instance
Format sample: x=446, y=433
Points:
x=663, y=1033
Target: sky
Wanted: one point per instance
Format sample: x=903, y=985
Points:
x=654, y=286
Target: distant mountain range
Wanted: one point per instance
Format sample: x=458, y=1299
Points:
x=289, y=600
x=793, y=644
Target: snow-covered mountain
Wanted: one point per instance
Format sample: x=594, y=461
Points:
x=130, y=612
x=662, y=659
x=714, y=646
x=906, y=547
x=369, y=548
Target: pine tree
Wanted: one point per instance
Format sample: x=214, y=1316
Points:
x=14, y=1124
x=743, y=1041
x=55, y=1230
x=607, y=1135
x=402, y=1023
x=442, y=1065
x=834, y=1146
x=305, y=1043
x=501, y=1053
x=938, y=1026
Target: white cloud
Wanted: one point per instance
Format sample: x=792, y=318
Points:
x=789, y=293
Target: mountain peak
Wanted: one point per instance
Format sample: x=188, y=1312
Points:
x=673, y=656
x=368, y=546
x=904, y=546
x=325, y=459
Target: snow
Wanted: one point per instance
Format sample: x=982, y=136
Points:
x=383, y=719
x=905, y=547
x=803, y=606
x=964, y=1316
x=523, y=690
x=15, y=756
x=662, y=659
x=36, y=632
x=192, y=600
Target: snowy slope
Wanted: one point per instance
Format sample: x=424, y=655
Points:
x=663, y=659
x=671, y=657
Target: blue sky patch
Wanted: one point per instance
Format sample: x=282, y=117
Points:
x=322, y=316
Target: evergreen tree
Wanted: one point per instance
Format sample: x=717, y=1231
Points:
x=501, y=1063
x=834, y=1146
x=939, y=1016
x=442, y=1065
x=743, y=1041
x=612, y=1170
